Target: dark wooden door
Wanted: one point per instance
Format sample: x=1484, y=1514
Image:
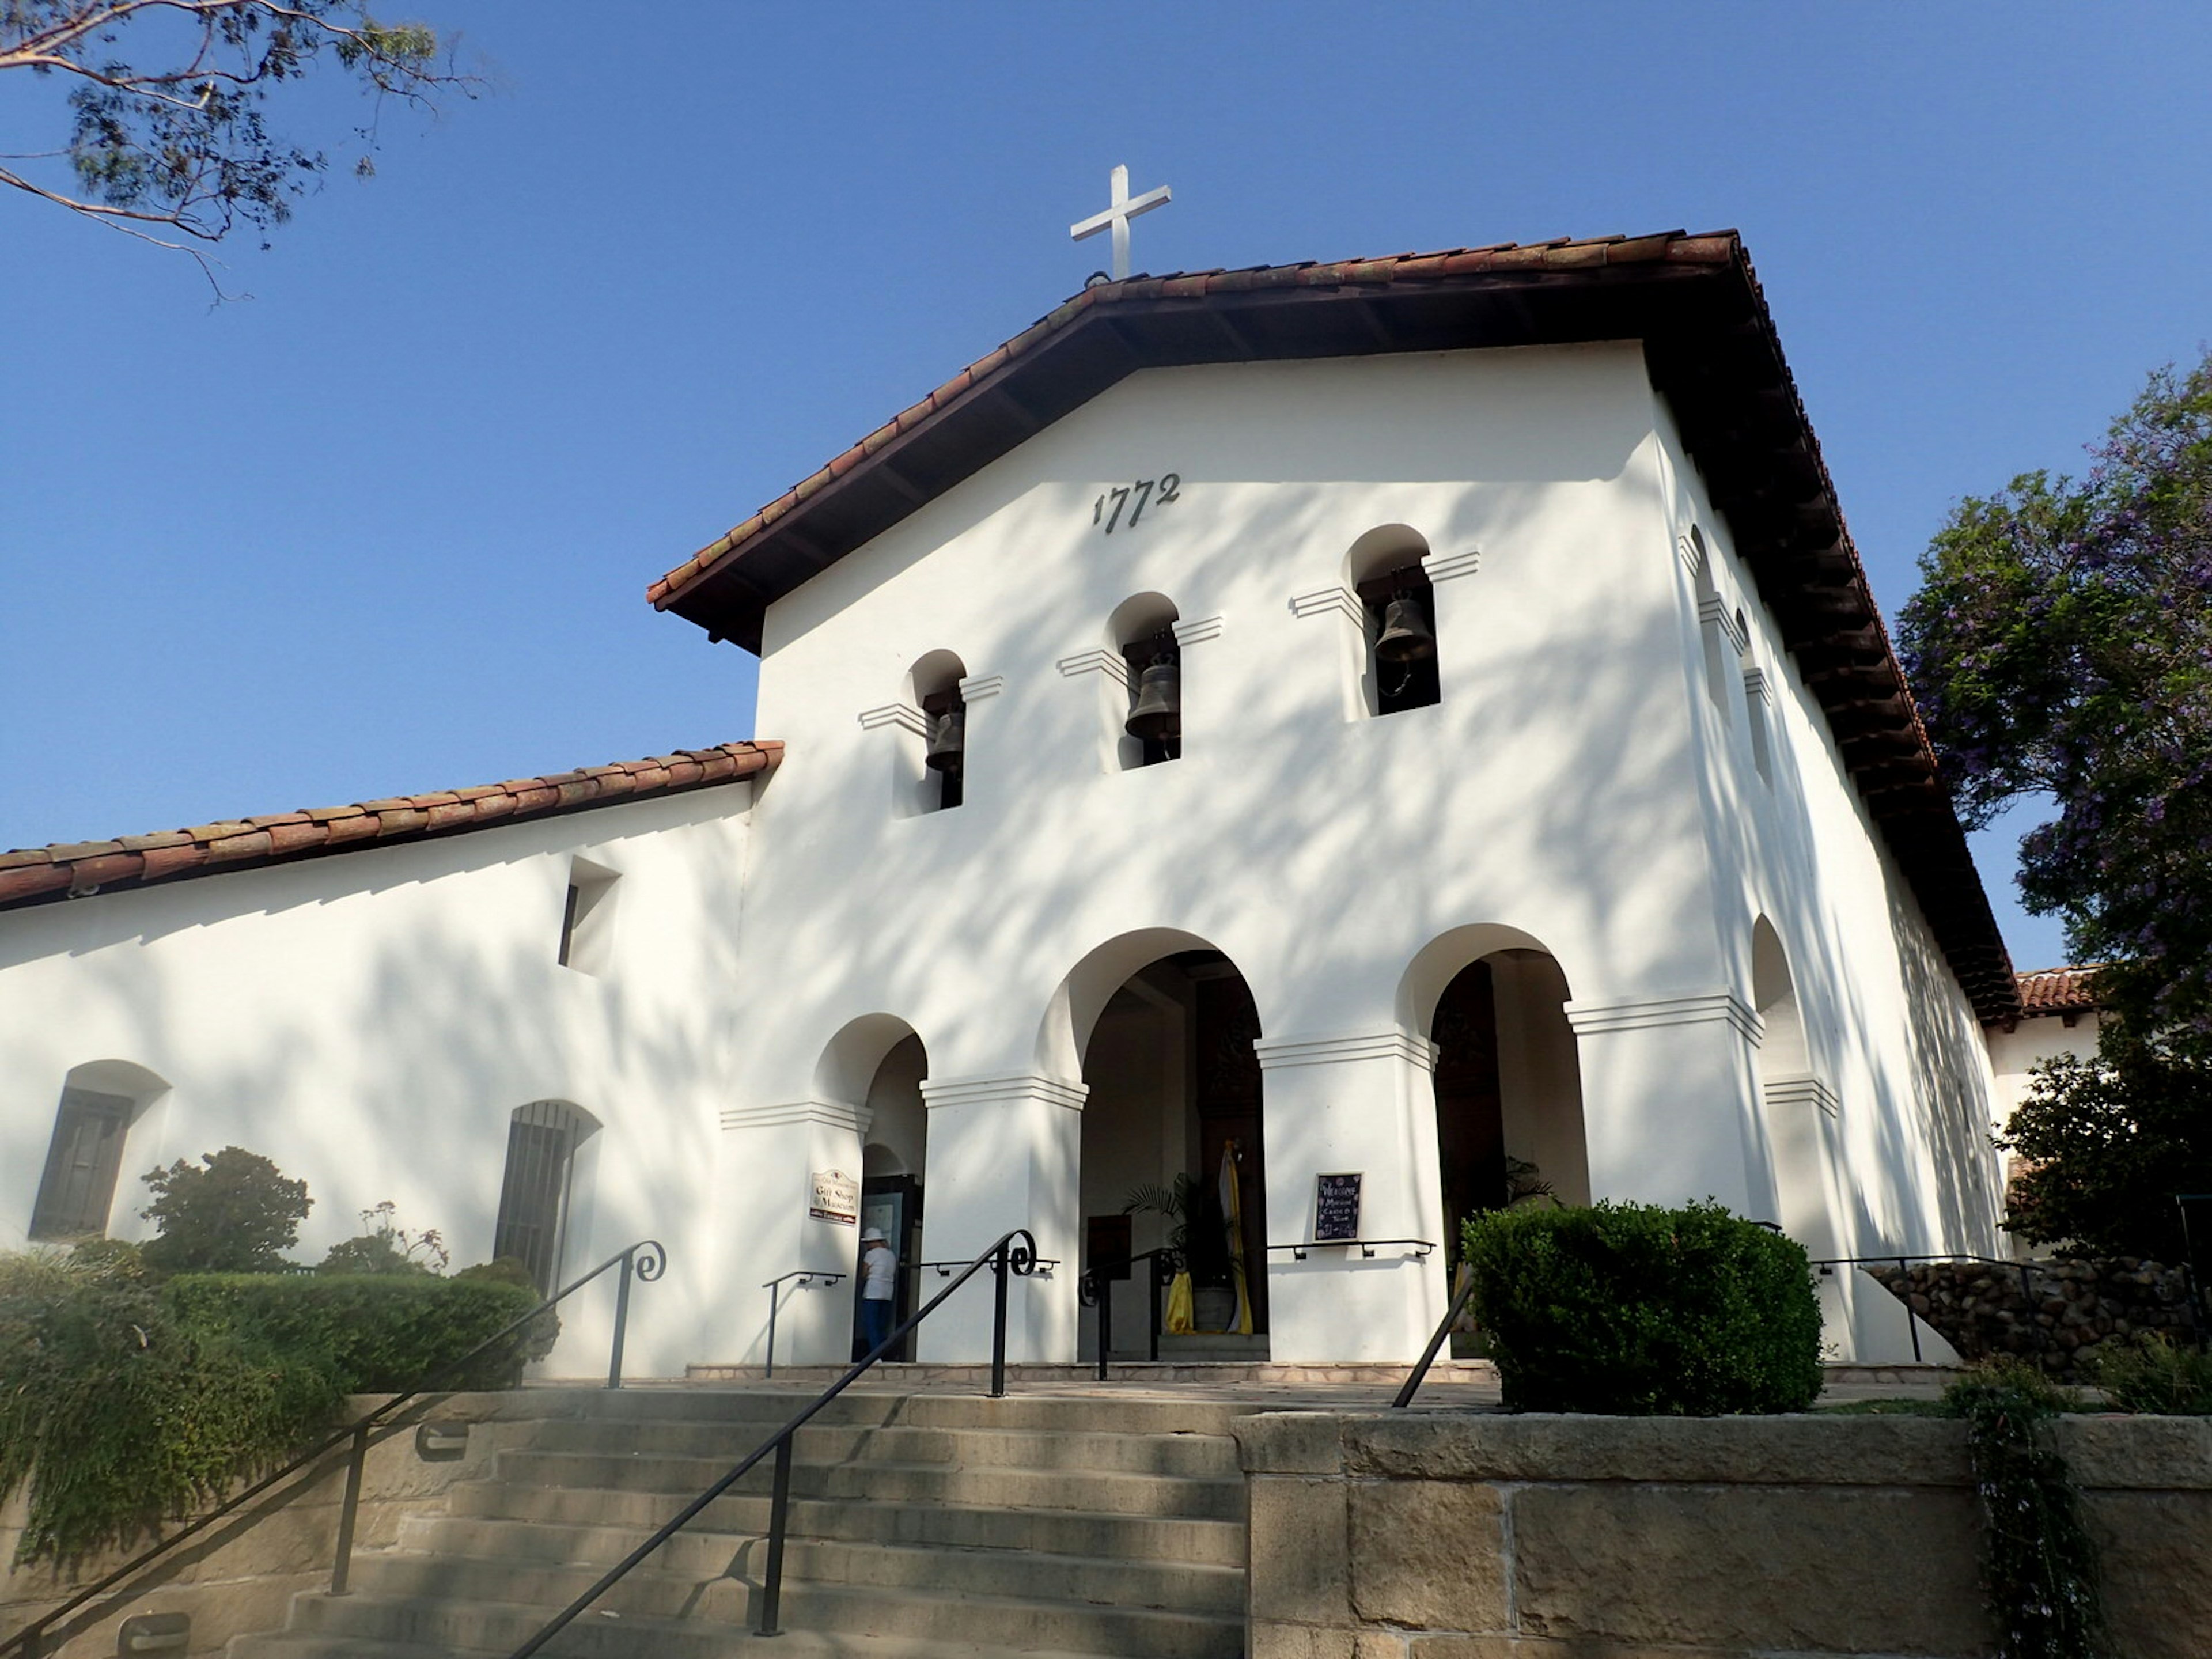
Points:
x=1229, y=1110
x=1470, y=1120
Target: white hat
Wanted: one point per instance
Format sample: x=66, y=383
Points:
x=873, y=1236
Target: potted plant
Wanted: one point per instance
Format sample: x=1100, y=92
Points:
x=1198, y=1235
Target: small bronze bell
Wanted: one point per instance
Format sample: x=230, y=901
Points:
x=948, y=738
x=1157, y=715
x=1406, y=636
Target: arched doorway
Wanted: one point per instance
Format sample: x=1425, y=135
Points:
x=878, y=1062
x=1173, y=1137
x=1508, y=1080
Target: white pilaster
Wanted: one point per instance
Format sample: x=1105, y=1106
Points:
x=1354, y=1102
x=769, y=1155
x=1669, y=1100
x=1004, y=1154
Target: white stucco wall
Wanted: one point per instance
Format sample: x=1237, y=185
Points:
x=1890, y=1152
x=370, y=1020
x=1564, y=795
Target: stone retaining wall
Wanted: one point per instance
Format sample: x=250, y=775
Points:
x=1451, y=1535
x=240, y=1575
x=2060, y=1314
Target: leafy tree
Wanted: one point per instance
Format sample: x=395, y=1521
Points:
x=237, y=1215
x=2107, y=1143
x=2061, y=647
x=167, y=122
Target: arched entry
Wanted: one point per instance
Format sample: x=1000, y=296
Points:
x=878, y=1062
x=1800, y=1108
x=1508, y=1083
x=1165, y=1024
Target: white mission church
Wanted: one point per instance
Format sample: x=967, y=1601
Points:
x=1384, y=718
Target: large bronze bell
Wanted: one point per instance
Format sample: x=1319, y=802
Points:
x=948, y=738
x=1157, y=715
x=1406, y=635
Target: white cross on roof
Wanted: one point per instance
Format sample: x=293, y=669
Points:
x=1117, y=218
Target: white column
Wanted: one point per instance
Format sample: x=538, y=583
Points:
x=1004, y=1152
x=769, y=1155
x=1359, y=1103
x=1669, y=1101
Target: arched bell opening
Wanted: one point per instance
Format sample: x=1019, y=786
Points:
x=934, y=689
x=1172, y=1146
x=1508, y=1081
x=1398, y=603
x=1142, y=632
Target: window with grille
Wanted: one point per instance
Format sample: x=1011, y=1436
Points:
x=534, y=1193
x=78, y=1188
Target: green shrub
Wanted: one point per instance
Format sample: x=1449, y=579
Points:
x=541, y=1333
x=386, y=1247
x=1639, y=1310
x=375, y=1332
x=237, y=1215
x=2158, y=1376
x=119, y=1415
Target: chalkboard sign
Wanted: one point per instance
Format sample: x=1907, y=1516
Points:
x=1336, y=1209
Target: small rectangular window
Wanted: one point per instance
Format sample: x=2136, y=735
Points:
x=78, y=1188
x=587, y=918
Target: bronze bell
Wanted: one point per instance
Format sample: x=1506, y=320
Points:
x=948, y=738
x=1405, y=635
x=1157, y=715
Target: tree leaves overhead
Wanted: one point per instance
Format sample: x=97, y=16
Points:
x=2060, y=645
x=168, y=128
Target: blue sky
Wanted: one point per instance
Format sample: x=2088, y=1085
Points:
x=386, y=525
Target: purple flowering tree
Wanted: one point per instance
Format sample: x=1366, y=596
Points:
x=2060, y=645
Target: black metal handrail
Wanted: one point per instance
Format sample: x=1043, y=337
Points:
x=1095, y=1288
x=1006, y=1258
x=1437, y=1340
x=647, y=1260
x=806, y=1276
x=1366, y=1247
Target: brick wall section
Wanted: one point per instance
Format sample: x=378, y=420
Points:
x=35, y=875
x=1460, y=1536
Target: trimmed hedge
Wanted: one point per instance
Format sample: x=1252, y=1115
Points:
x=1638, y=1310
x=124, y=1404
x=376, y=1332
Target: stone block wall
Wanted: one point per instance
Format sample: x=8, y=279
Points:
x=239, y=1577
x=2059, y=1314
x=1450, y=1536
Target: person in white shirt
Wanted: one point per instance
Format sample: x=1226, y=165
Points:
x=879, y=1287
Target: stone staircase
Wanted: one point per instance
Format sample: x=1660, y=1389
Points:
x=923, y=1525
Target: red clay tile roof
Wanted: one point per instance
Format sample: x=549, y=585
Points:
x=1694, y=303
x=981, y=381
x=2059, y=990
x=76, y=869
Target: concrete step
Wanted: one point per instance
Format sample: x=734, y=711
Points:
x=672, y=1578
x=641, y=1639
x=1205, y=1456
x=555, y=1511
x=1106, y=1412
x=891, y=1483
x=723, y=1610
